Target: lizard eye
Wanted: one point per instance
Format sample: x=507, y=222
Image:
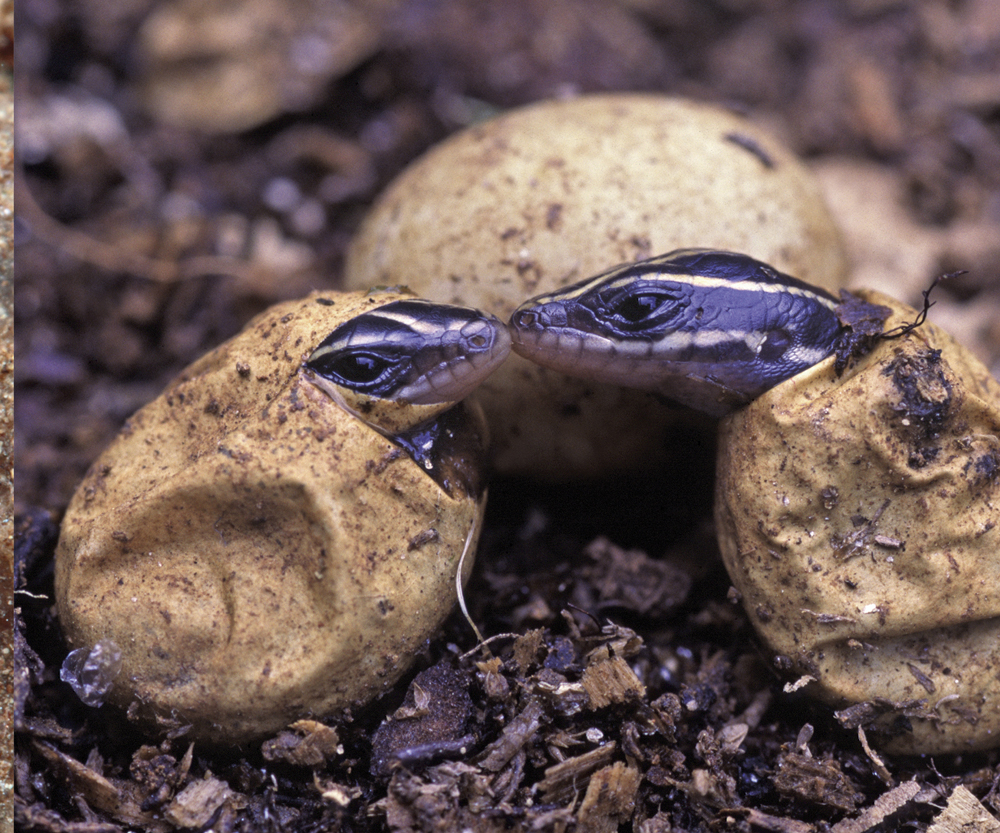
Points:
x=356, y=370
x=642, y=306
x=360, y=368
x=636, y=308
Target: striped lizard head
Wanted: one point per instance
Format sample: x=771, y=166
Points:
x=400, y=364
x=708, y=329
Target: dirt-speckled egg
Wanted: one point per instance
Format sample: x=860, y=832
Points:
x=275, y=536
x=859, y=519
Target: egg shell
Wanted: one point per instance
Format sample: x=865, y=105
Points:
x=258, y=554
x=859, y=518
x=559, y=191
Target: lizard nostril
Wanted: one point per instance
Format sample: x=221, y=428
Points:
x=525, y=320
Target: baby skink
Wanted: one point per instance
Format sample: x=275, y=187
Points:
x=708, y=329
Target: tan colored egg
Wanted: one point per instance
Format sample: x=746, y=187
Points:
x=859, y=518
x=257, y=553
x=549, y=194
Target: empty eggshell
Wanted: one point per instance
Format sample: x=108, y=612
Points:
x=555, y=192
x=256, y=553
x=859, y=519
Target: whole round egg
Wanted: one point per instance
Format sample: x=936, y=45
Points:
x=551, y=193
x=256, y=552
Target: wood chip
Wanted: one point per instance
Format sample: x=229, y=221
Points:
x=526, y=649
x=197, y=803
x=964, y=814
x=97, y=790
x=517, y=733
x=881, y=770
x=565, y=780
x=109, y=796
x=885, y=805
x=922, y=678
x=337, y=793
x=765, y=821
x=610, y=799
x=611, y=681
x=801, y=682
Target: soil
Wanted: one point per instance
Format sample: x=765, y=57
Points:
x=174, y=180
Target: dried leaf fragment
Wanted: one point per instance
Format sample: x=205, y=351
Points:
x=430, y=723
x=633, y=580
x=815, y=781
x=304, y=743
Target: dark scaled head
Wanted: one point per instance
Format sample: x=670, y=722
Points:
x=414, y=351
x=710, y=329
